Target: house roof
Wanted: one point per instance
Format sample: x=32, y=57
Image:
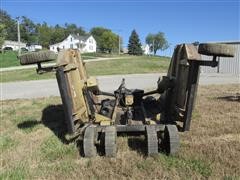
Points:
x=75, y=36
x=81, y=38
x=55, y=44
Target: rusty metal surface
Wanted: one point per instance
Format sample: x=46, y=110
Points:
x=191, y=52
x=216, y=49
x=37, y=57
x=75, y=75
x=159, y=112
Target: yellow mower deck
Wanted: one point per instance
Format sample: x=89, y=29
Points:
x=97, y=117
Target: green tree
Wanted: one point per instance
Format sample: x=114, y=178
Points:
x=28, y=30
x=3, y=34
x=45, y=35
x=108, y=41
x=97, y=33
x=157, y=42
x=105, y=38
x=73, y=29
x=134, y=44
x=10, y=25
x=58, y=34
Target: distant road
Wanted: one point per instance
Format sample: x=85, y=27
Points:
x=51, y=64
x=46, y=88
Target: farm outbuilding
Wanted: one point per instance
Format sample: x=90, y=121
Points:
x=226, y=65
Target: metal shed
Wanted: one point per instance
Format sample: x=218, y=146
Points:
x=226, y=65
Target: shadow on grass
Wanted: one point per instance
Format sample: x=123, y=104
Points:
x=235, y=98
x=138, y=144
x=29, y=124
x=79, y=144
x=52, y=118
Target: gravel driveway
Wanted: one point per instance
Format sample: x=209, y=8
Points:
x=46, y=88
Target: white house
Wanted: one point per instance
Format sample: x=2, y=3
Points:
x=146, y=49
x=83, y=43
x=34, y=47
x=13, y=44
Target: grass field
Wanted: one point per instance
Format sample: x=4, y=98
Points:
x=32, y=145
x=102, y=55
x=131, y=65
x=8, y=59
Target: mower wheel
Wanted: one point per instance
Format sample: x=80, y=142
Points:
x=152, y=140
x=37, y=57
x=110, y=144
x=89, y=147
x=222, y=50
x=170, y=142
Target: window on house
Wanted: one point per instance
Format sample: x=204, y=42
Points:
x=90, y=41
x=91, y=47
x=53, y=47
x=71, y=39
x=71, y=46
x=63, y=47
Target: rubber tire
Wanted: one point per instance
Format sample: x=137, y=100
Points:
x=171, y=139
x=151, y=140
x=222, y=50
x=110, y=144
x=89, y=148
x=37, y=57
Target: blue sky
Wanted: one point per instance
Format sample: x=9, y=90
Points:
x=181, y=21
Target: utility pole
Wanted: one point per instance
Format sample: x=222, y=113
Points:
x=18, y=30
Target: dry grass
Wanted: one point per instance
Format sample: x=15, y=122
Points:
x=32, y=148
